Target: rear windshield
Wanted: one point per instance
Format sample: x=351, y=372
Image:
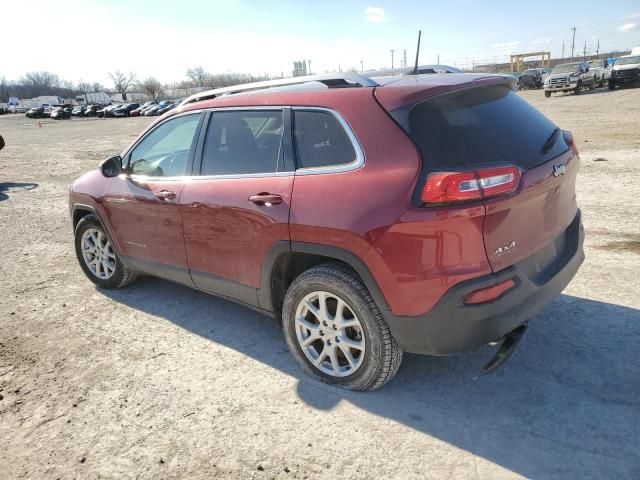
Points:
x=481, y=126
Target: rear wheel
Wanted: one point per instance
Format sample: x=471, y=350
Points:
x=336, y=332
x=612, y=85
x=97, y=257
x=578, y=89
x=547, y=93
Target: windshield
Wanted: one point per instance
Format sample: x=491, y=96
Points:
x=567, y=68
x=529, y=72
x=628, y=60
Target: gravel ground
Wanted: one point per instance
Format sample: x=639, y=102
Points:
x=160, y=381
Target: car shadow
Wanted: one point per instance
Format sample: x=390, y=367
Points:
x=566, y=404
x=9, y=187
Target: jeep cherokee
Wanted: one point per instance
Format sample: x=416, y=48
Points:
x=419, y=213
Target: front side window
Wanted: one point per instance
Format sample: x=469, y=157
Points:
x=165, y=151
x=320, y=140
x=242, y=142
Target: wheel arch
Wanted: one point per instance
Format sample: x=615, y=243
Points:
x=286, y=260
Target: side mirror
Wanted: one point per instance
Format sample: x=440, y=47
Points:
x=1, y=142
x=111, y=167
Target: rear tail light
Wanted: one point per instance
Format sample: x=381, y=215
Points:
x=568, y=138
x=489, y=294
x=448, y=187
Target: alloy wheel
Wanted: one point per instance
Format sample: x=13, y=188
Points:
x=98, y=253
x=330, y=334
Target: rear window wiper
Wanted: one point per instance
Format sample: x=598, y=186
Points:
x=551, y=141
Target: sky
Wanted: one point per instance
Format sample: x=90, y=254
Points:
x=86, y=39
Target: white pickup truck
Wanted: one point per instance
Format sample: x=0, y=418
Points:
x=626, y=70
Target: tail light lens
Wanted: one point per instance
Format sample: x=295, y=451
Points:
x=568, y=138
x=448, y=187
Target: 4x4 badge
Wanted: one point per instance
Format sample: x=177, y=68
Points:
x=559, y=170
x=502, y=250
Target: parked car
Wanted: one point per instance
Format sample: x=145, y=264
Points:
x=429, y=214
x=570, y=77
x=107, y=110
x=166, y=108
x=136, y=112
x=60, y=113
x=78, y=111
x=625, y=72
x=91, y=110
x=35, y=112
x=533, y=78
x=153, y=110
x=125, y=110
x=18, y=109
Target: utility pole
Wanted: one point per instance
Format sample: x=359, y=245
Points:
x=404, y=58
x=392, y=50
x=362, y=66
x=438, y=58
x=584, y=52
x=573, y=42
x=563, y=49
x=598, y=49
x=309, y=63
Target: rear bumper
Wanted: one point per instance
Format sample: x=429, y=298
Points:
x=452, y=327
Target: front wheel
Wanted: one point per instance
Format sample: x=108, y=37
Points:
x=335, y=330
x=578, y=89
x=612, y=86
x=97, y=257
x=547, y=93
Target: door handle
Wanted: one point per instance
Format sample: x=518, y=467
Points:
x=266, y=199
x=165, y=195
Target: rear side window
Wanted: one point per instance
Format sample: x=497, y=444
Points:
x=242, y=142
x=320, y=140
x=482, y=126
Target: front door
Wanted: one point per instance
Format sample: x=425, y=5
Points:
x=239, y=205
x=142, y=205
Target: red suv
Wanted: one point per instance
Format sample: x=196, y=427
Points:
x=420, y=213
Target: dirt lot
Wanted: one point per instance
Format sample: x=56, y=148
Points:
x=159, y=381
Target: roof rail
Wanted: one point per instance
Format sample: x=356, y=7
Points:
x=331, y=80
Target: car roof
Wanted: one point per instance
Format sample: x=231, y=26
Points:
x=396, y=90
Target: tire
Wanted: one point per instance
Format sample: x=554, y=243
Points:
x=547, y=93
x=376, y=358
x=612, y=86
x=593, y=84
x=601, y=84
x=120, y=276
x=578, y=89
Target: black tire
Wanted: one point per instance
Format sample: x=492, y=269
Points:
x=121, y=277
x=601, y=84
x=382, y=355
x=593, y=84
x=547, y=93
x=612, y=85
x=578, y=89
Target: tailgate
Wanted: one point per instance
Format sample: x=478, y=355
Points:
x=533, y=221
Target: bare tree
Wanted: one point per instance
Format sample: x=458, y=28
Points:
x=198, y=76
x=39, y=83
x=97, y=87
x=152, y=87
x=122, y=82
x=4, y=89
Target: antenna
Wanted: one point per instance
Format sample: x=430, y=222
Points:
x=415, y=68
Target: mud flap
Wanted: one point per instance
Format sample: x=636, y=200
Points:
x=509, y=344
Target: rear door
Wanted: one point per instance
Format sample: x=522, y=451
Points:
x=492, y=126
x=238, y=206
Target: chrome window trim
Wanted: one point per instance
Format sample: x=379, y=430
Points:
x=355, y=164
